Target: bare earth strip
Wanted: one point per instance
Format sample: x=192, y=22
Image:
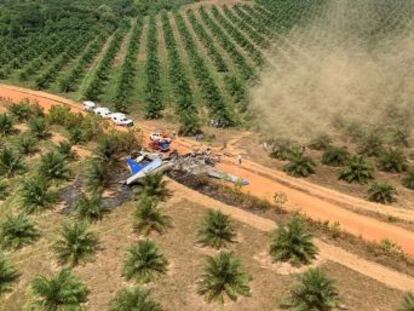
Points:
x=315, y=207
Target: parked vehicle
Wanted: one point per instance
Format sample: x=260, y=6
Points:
x=103, y=112
x=121, y=119
x=89, y=105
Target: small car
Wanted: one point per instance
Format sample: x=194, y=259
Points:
x=89, y=105
x=121, y=119
x=103, y=112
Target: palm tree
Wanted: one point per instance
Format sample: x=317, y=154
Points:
x=372, y=144
x=299, y=165
x=10, y=163
x=17, y=231
x=36, y=195
x=222, y=278
x=293, y=243
x=6, y=125
x=283, y=149
x=53, y=166
x=408, y=179
x=408, y=303
x=148, y=218
x=392, y=160
x=39, y=128
x=144, y=262
x=20, y=111
x=98, y=176
x=154, y=186
x=321, y=142
x=134, y=298
x=90, y=208
x=315, y=291
x=335, y=156
x=357, y=169
x=62, y=291
x=26, y=144
x=108, y=148
x=216, y=230
x=65, y=149
x=76, y=243
x=8, y=275
x=381, y=192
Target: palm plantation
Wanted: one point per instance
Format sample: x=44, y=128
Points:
x=223, y=278
x=144, y=262
x=148, y=217
x=293, y=243
x=216, y=230
x=62, y=291
x=76, y=243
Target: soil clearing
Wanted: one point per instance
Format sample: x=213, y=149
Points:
x=315, y=201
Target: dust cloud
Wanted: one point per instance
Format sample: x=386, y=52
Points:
x=350, y=61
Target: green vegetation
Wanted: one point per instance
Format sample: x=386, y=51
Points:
x=357, y=169
x=76, y=243
x=299, y=165
x=381, y=192
x=314, y=291
x=134, y=298
x=335, y=156
x=8, y=275
x=155, y=187
x=61, y=291
x=293, y=243
x=223, y=277
x=144, y=262
x=90, y=208
x=408, y=303
x=148, y=217
x=17, y=231
x=53, y=166
x=216, y=230
x=36, y=195
x=153, y=92
x=11, y=163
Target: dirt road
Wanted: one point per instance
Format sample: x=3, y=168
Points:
x=373, y=270
x=317, y=202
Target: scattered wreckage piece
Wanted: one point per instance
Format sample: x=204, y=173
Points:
x=195, y=163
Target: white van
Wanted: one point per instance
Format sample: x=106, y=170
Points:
x=89, y=105
x=121, y=119
x=103, y=112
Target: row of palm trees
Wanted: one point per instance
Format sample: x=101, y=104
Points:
x=353, y=168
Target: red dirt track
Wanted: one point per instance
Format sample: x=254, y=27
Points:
x=315, y=201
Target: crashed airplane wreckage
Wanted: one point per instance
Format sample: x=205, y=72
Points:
x=195, y=163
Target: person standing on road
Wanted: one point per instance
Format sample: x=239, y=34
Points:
x=239, y=159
